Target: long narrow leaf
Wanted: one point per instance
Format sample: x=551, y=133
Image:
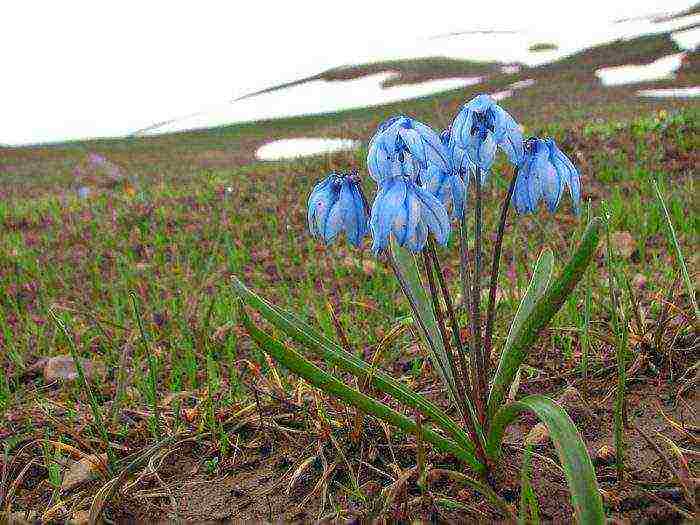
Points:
x=574, y=458
x=544, y=310
x=541, y=276
x=414, y=289
x=329, y=350
x=330, y=384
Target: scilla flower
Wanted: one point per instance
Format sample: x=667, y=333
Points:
x=481, y=126
x=407, y=211
x=421, y=152
x=543, y=175
x=405, y=139
x=336, y=205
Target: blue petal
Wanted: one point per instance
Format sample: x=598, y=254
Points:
x=413, y=142
x=388, y=202
x=361, y=213
x=319, y=205
x=378, y=161
x=333, y=223
x=458, y=194
x=434, y=214
x=552, y=186
x=482, y=151
x=413, y=206
x=508, y=135
x=567, y=172
x=350, y=220
x=434, y=148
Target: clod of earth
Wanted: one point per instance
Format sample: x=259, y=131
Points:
x=62, y=368
x=82, y=470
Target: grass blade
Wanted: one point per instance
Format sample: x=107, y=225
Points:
x=542, y=313
x=574, y=458
x=330, y=384
x=673, y=239
x=335, y=355
x=528, y=499
x=620, y=328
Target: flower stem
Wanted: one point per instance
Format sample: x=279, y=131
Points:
x=450, y=312
x=469, y=420
x=460, y=380
x=476, y=306
x=491, y=311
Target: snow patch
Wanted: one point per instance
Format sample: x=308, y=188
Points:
x=303, y=147
x=684, y=92
x=312, y=98
x=661, y=69
x=688, y=39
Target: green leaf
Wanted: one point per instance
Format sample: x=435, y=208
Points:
x=541, y=276
x=335, y=387
x=545, y=308
x=414, y=290
x=573, y=456
x=333, y=353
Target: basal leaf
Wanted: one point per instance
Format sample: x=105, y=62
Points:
x=301, y=332
x=544, y=310
x=426, y=322
x=541, y=277
x=330, y=384
x=573, y=456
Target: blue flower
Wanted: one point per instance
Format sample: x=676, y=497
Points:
x=422, y=157
x=409, y=212
x=543, y=175
x=481, y=126
x=336, y=204
x=407, y=140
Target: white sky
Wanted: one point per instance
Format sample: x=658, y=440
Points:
x=77, y=69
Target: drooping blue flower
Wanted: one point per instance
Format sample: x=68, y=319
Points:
x=481, y=126
x=543, y=175
x=405, y=139
x=336, y=204
x=409, y=212
x=422, y=155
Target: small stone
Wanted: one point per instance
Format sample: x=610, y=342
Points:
x=20, y=517
x=82, y=470
x=80, y=517
x=605, y=455
x=623, y=243
x=62, y=368
x=639, y=281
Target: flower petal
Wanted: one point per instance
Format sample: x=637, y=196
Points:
x=434, y=214
x=387, y=204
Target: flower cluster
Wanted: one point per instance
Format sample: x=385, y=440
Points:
x=421, y=175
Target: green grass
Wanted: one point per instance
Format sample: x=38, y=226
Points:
x=175, y=244
x=175, y=240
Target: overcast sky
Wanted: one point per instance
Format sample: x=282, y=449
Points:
x=76, y=69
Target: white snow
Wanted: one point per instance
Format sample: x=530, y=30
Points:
x=303, y=147
x=661, y=69
x=693, y=91
x=313, y=97
x=124, y=80
x=512, y=88
x=688, y=39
